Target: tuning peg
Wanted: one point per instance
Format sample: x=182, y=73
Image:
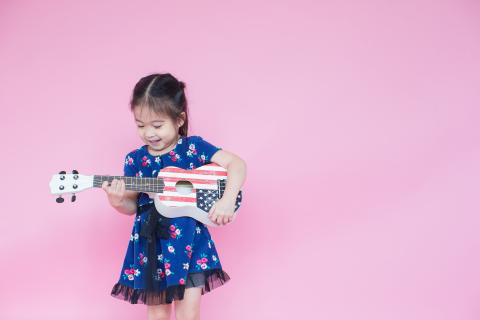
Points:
x=62, y=172
x=74, y=197
x=74, y=171
x=59, y=199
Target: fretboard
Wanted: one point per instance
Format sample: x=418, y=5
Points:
x=133, y=183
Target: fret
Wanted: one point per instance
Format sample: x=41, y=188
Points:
x=139, y=184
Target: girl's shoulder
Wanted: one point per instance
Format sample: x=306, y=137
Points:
x=135, y=153
x=193, y=139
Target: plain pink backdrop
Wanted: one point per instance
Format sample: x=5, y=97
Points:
x=358, y=121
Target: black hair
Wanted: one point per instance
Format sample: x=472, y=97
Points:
x=163, y=94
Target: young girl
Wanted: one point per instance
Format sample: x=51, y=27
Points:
x=169, y=259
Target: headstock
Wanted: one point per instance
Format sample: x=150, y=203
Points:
x=69, y=183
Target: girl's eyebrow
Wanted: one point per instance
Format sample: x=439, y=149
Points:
x=152, y=121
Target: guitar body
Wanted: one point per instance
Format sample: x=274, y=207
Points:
x=191, y=192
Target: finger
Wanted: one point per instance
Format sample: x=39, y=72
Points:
x=225, y=220
x=118, y=187
x=115, y=185
x=211, y=211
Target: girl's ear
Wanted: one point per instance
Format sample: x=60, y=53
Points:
x=181, y=119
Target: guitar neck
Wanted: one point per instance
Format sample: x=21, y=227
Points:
x=139, y=184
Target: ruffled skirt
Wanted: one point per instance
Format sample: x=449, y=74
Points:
x=206, y=280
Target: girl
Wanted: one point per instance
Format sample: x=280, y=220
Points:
x=169, y=259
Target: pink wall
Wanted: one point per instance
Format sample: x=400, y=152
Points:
x=358, y=120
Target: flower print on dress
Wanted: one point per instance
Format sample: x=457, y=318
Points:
x=188, y=251
x=157, y=160
x=202, y=158
x=129, y=161
x=192, y=166
x=139, y=174
x=202, y=263
x=175, y=231
x=167, y=268
x=130, y=273
x=191, y=150
x=170, y=248
x=174, y=156
x=134, y=237
x=142, y=259
x=160, y=274
x=145, y=161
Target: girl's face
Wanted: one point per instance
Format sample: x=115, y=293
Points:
x=158, y=131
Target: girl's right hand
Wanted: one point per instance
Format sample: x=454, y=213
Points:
x=115, y=191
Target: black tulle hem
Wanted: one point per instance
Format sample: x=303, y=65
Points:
x=213, y=279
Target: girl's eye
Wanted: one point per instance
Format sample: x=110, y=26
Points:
x=156, y=127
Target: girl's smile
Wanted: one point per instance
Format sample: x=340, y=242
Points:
x=158, y=131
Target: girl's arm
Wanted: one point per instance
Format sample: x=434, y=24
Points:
x=236, y=169
x=223, y=210
x=128, y=204
x=124, y=201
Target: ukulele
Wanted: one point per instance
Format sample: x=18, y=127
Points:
x=176, y=192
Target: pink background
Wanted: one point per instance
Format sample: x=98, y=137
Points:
x=358, y=121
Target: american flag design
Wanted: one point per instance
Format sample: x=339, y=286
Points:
x=208, y=183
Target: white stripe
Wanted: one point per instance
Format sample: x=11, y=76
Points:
x=211, y=167
x=174, y=193
x=212, y=186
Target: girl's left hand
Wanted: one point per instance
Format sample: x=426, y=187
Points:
x=222, y=212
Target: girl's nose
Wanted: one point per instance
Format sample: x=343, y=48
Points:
x=150, y=133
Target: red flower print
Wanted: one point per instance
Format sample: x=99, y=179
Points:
x=129, y=271
x=171, y=153
x=173, y=235
x=174, y=159
x=172, y=227
x=188, y=247
x=167, y=265
x=204, y=260
x=181, y=281
x=130, y=160
x=199, y=261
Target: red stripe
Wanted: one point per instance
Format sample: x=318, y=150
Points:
x=175, y=198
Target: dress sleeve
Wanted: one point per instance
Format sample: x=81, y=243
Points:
x=205, y=149
x=129, y=166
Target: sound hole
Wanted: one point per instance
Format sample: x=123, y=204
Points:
x=184, y=187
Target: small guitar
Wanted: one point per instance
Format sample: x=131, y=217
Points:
x=176, y=192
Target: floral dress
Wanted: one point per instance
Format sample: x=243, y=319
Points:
x=183, y=253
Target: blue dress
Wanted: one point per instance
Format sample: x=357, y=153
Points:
x=182, y=253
